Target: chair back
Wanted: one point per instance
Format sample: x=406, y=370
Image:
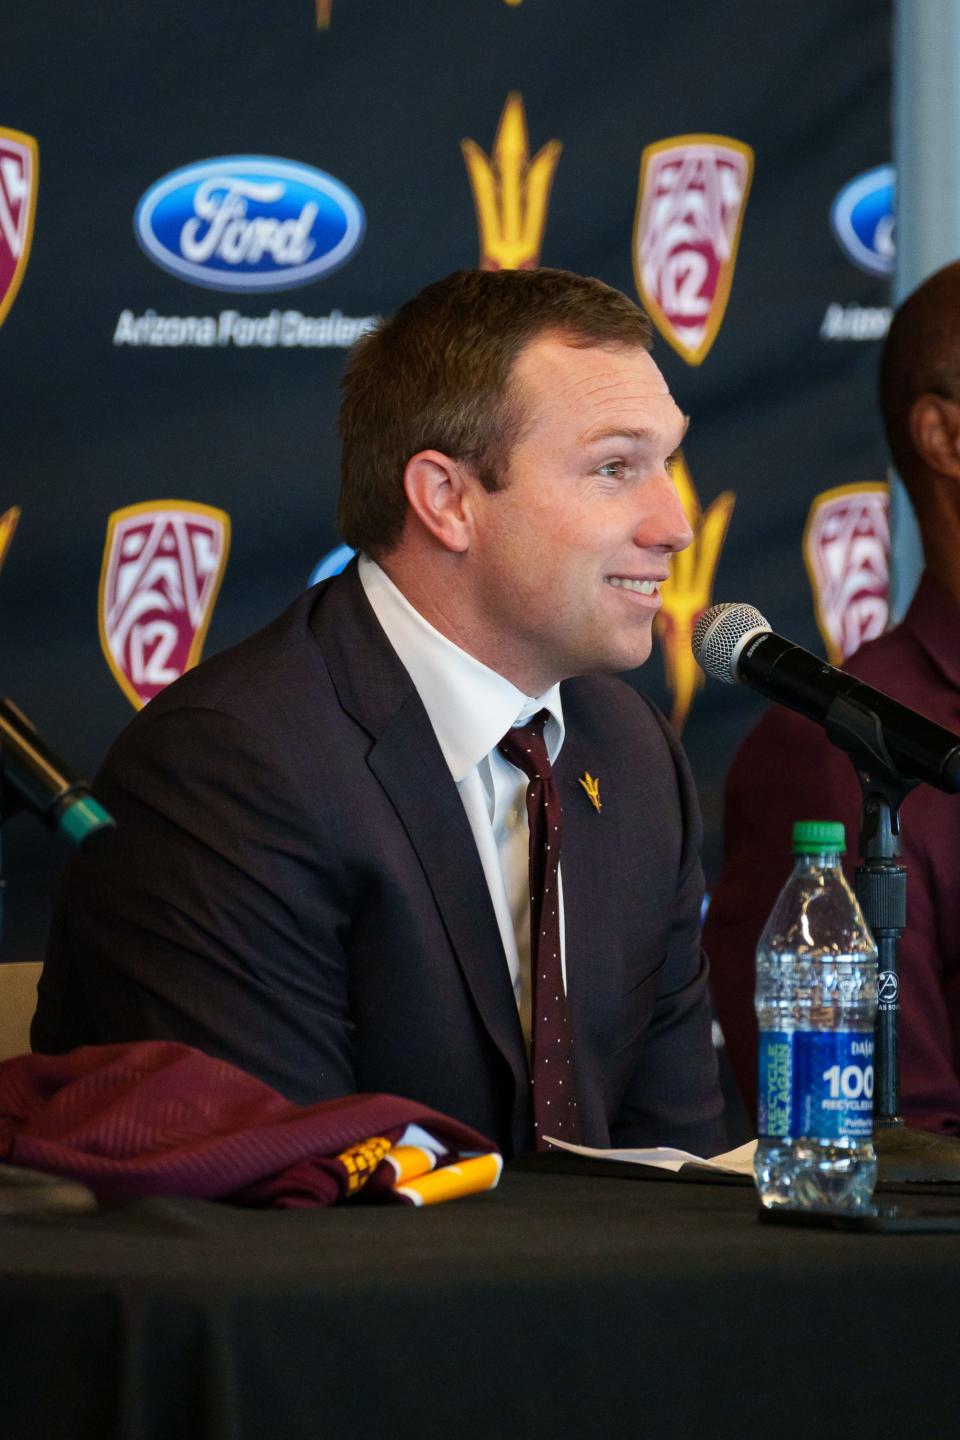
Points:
x=18, y=1001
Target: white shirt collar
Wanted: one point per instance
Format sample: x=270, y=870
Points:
x=470, y=706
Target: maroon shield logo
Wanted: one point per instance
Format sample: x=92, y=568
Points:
x=18, y=203
x=162, y=566
x=846, y=547
x=690, y=205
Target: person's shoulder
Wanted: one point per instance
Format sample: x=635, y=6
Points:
x=241, y=676
x=785, y=760
x=776, y=727
x=265, y=684
x=888, y=661
x=780, y=747
x=607, y=712
x=609, y=702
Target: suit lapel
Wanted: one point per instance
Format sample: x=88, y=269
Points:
x=594, y=867
x=375, y=689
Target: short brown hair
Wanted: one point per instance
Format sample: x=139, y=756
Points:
x=435, y=377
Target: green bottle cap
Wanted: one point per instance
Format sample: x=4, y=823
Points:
x=816, y=837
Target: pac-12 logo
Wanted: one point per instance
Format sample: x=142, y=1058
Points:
x=249, y=223
x=690, y=204
x=846, y=547
x=18, y=202
x=162, y=566
x=862, y=220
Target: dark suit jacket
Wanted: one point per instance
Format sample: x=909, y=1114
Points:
x=293, y=886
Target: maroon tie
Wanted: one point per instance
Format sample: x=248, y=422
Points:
x=551, y=1046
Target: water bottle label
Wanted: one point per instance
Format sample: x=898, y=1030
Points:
x=817, y=1083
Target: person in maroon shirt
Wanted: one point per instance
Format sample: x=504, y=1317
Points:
x=787, y=769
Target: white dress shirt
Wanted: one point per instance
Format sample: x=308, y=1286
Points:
x=471, y=708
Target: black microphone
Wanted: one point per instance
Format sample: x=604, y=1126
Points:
x=734, y=643
x=32, y=776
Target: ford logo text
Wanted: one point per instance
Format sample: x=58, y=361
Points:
x=249, y=222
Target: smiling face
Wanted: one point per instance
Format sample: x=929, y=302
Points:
x=567, y=557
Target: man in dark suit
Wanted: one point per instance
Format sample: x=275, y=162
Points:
x=320, y=870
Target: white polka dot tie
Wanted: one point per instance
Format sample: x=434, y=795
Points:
x=551, y=1046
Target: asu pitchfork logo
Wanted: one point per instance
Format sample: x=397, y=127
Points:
x=162, y=567
x=511, y=191
x=690, y=205
x=8, y=524
x=18, y=201
x=689, y=590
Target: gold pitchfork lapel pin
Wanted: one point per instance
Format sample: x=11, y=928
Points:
x=592, y=787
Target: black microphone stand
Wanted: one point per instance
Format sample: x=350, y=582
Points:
x=881, y=888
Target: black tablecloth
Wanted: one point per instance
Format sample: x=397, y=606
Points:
x=560, y=1305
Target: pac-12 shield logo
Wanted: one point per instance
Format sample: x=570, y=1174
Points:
x=862, y=220
x=690, y=206
x=18, y=202
x=249, y=223
x=846, y=547
x=162, y=567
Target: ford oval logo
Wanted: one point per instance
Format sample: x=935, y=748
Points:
x=249, y=222
x=862, y=219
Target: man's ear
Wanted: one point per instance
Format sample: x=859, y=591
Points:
x=935, y=432
x=436, y=489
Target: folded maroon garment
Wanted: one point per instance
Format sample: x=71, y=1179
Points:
x=158, y=1118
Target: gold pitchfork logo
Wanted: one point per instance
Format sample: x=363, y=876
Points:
x=511, y=192
x=689, y=590
x=591, y=784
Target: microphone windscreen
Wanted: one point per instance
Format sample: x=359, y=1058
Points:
x=719, y=635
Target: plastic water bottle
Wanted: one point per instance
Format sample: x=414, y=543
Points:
x=816, y=999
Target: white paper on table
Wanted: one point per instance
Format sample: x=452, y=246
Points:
x=734, y=1162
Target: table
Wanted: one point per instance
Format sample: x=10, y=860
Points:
x=563, y=1304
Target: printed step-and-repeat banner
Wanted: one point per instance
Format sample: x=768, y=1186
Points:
x=203, y=205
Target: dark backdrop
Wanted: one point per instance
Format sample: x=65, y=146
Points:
x=380, y=96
